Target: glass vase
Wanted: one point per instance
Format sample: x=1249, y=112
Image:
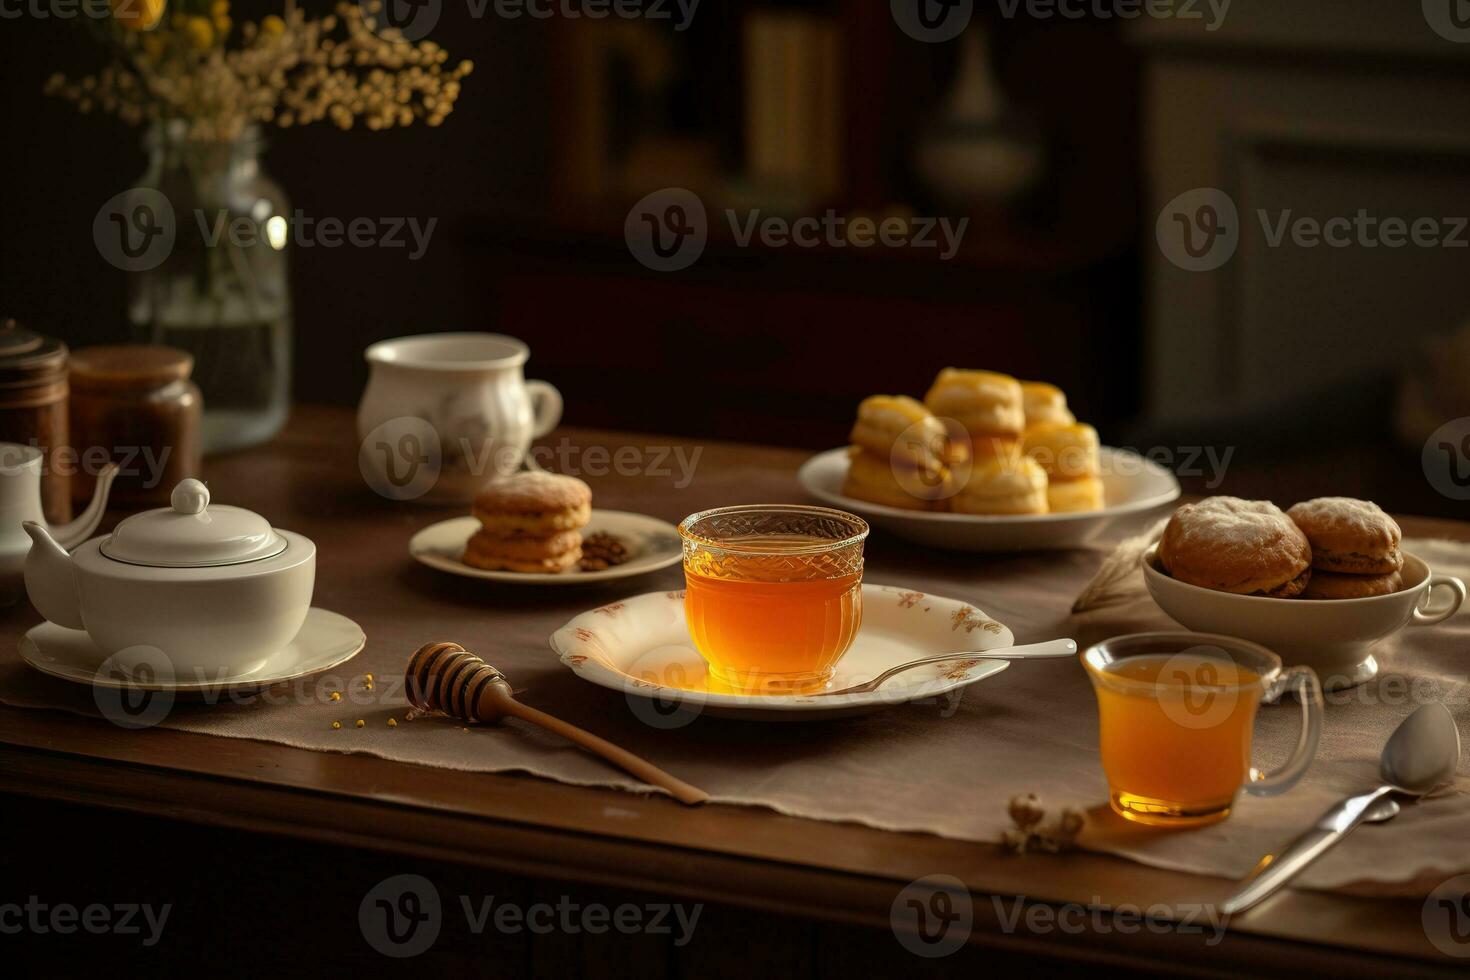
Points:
x=222, y=294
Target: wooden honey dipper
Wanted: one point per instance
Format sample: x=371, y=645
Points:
x=448, y=678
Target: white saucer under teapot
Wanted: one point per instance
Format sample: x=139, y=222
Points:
x=210, y=588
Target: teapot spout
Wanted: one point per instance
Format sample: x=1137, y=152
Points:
x=73, y=533
x=51, y=580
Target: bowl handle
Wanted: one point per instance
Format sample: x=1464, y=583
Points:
x=1456, y=588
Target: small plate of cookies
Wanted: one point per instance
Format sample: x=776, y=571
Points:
x=541, y=528
x=1320, y=583
x=984, y=463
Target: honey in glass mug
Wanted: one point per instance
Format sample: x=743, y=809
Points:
x=1175, y=719
x=773, y=593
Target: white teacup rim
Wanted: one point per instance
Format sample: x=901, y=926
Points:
x=458, y=351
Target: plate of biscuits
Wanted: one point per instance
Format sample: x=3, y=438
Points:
x=985, y=463
x=541, y=528
x=1320, y=583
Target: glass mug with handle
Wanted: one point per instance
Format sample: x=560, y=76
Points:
x=1175, y=719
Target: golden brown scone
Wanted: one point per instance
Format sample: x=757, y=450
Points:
x=1066, y=452
x=968, y=447
x=1351, y=536
x=521, y=553
x=1003, y=485
x=1044, y=403
x=1248, y=547
x=985, y=403
x=900, y=429
x=1074, y=496
x=536, y=504
x=1335, y=585
x=876, y=480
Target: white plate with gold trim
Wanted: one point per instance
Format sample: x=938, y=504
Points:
x=652, y=544
x=641, y=648
x=1132, y=484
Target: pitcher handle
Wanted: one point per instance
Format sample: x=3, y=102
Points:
x=1304, y=681
x=546, y=406
x=1456, y=588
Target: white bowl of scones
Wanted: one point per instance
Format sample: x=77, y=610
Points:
x=984, y=463
x=1320, y=584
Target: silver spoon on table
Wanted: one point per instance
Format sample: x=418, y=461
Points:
x=1422, y=754
x=1049, y=650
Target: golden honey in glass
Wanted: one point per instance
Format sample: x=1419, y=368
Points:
x=773, y=593
x=1175, y=719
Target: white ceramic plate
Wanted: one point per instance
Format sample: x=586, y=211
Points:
x=1131, y=484
x=326, y=640
x=652, y=544
x=641, y=647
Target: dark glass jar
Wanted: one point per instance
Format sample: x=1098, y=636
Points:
x=134, y=405
x=33, y=407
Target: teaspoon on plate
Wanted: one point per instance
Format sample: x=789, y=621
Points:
x=1049, y=650
x=1422, y=754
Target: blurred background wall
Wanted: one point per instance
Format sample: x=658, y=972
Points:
x=1062, y=140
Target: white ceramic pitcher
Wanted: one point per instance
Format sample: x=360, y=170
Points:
x=445, y=413
x=20, y=501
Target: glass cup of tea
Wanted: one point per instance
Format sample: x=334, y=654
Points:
x=773, y=593
x=1175, y=718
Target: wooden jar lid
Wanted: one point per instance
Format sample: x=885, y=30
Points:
x=126, y=367
x=27, y=357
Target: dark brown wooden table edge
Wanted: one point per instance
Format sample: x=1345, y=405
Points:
x=725, y=854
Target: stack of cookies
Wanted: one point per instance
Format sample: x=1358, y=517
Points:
x=1248, y=547
x=897, y=456
x=1355, y=548
x=980, y=443
x=1328, y=548
x=530, y=522
x=988, y=406
x=1068, y=451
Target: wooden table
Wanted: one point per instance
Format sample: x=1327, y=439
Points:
x=271, y=841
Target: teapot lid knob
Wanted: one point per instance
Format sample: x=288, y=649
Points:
x=190, y=497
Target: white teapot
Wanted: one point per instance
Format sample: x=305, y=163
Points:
x=20, y=501
x=215, y=590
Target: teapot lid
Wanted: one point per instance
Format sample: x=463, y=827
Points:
x=191, y=534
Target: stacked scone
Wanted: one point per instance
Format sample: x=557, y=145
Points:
x=986, y=405
x=1355, y=548
x=1329, y=548
x=530, y=522
x=1068, y=451
x=981, y=443
x=898, y=455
